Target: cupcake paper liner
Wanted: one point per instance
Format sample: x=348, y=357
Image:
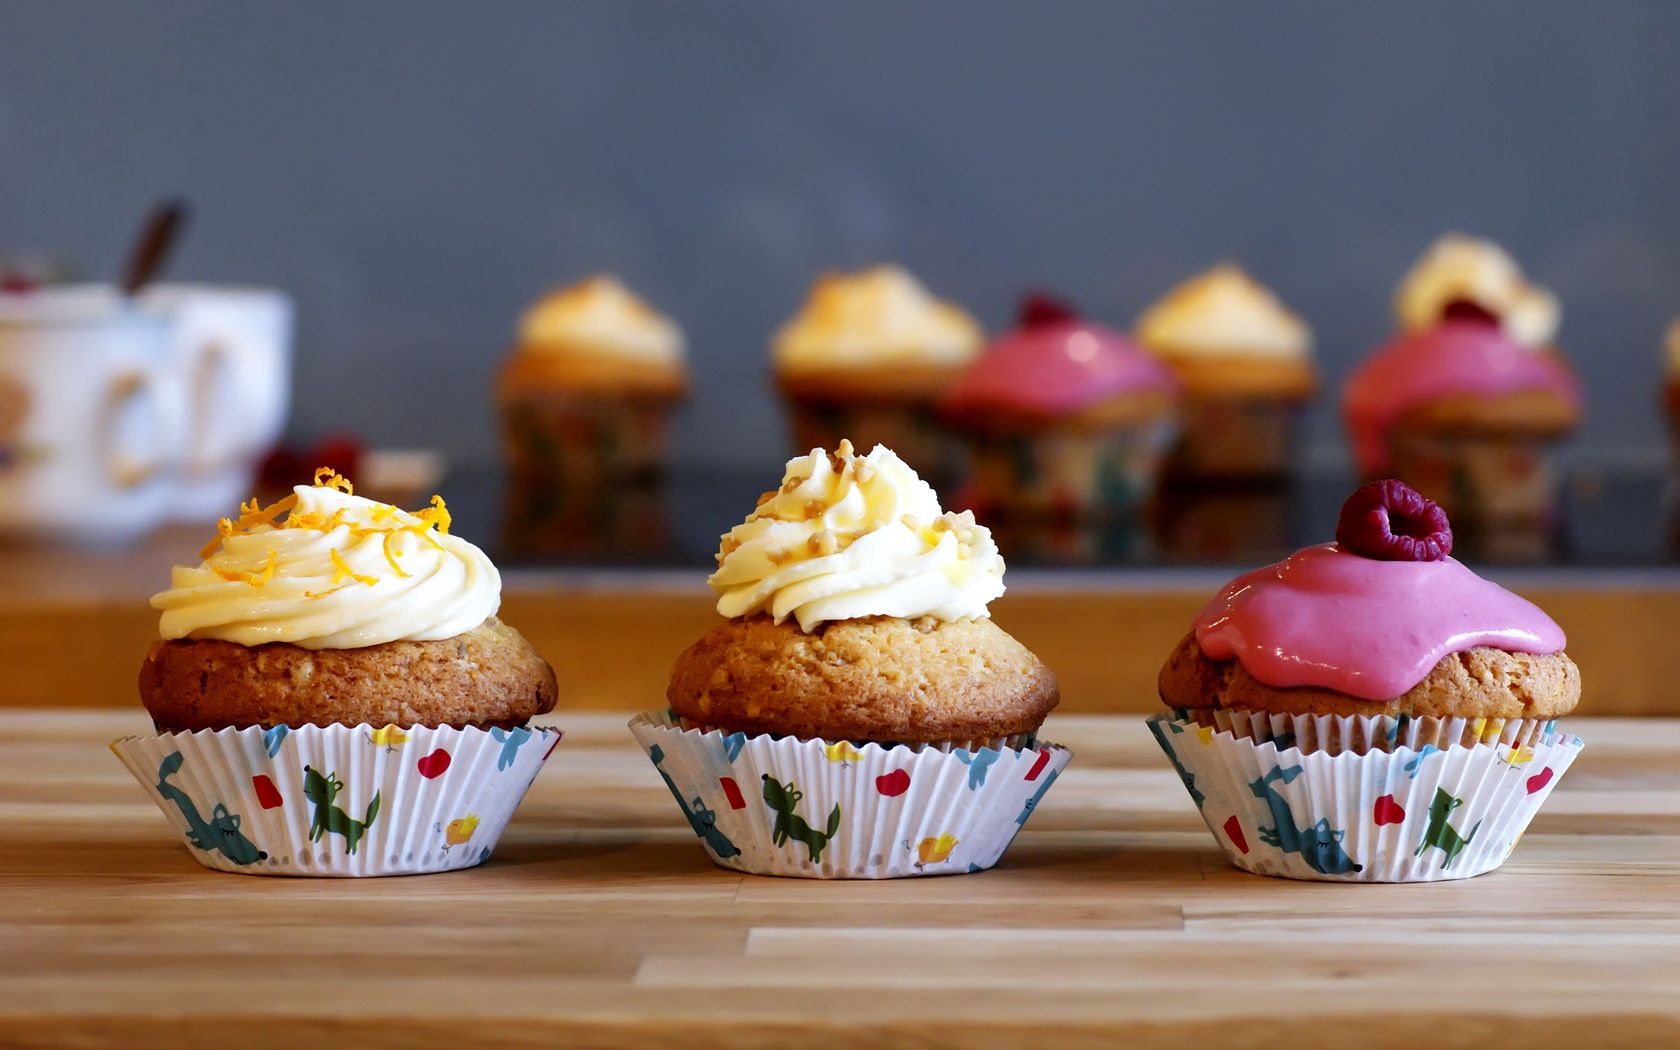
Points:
x=833, y=810
x=339, y=800
x=1064, y=471
x=1401, y=815
x=1335, y=733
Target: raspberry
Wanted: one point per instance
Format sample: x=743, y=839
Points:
x=1465, y=310
x=1390, y=521
x=1038, y=309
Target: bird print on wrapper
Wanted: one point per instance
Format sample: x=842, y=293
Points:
x=219, y=834
x=388, y=737
x=979, y=763
x=1319, y=845
x=511, y=741
x=700, y=818
x=322, y=789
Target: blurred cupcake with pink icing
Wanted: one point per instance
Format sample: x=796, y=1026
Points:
x=1063, y=418
x=1467, y=401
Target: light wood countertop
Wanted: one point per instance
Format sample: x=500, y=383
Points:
x=1114, y=920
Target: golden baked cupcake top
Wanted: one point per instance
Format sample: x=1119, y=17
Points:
x=1458, y=272
x=324, y=568
x=600, y=318
x=878, y=317
x=847, y=537
x=1223, y=313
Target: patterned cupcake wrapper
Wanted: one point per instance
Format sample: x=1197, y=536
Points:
x=1335, y=733
x=818, y=809
x=1407, y=814
x=342, y=801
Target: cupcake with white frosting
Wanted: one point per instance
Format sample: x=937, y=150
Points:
x=866, y=357
x=334, y=694
x=586, y=396
x=1244, y=362
x=857, y=714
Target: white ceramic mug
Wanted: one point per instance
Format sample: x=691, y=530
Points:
x=91, y=416
x=233, y=357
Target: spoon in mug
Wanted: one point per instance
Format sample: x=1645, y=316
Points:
x=157, y=240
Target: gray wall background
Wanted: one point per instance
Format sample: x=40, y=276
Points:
x=415, y=173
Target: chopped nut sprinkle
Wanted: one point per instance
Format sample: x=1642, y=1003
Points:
x=816, y=508
x=823, y=543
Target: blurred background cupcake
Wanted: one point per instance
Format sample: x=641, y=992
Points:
x=866, y=359
x=586, y=395
x=1244, y=363
x=1464, y=403
x=1063, y=417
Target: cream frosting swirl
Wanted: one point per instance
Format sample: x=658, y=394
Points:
x=881, y=316
x=1457, y=268
x=601, y=318
x=339, y=572
x=1672, y=346
x=1223, y=313
x=848, y=536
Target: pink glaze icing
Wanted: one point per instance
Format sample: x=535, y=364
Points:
x=1056, y=368
x=1457, y=357
x=1372, y=629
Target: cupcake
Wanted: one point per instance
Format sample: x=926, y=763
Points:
x=1063, y=418
x=1464, y=403
x=1244, y=362
x=1369, y=710
x=333, y=694
x=857, y=714
x=586, y=394
x=866, y=358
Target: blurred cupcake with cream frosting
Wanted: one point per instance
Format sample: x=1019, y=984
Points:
x=586, y=395
x=1466, y=401
x=1244, y=361
x=866, y=358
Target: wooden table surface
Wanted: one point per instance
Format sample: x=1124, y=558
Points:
x=599, y=923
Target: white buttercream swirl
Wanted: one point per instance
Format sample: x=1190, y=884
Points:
x=849, y=536
x=1223, y=313
x=600, y=318
x=880, y=316
x=1457, y=268
x=1672, y=345
x=328, y=578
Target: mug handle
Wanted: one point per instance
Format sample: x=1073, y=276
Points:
x=223, y=378
x=123, y=468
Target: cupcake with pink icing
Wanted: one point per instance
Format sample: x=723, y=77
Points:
x=1370, y=709
x=1063, y=417
x=1464, y=403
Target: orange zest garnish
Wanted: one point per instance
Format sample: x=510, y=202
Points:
x=392, y=555
x=382, y=520
x=328, y=478
x=255, y=579
x=342, y=572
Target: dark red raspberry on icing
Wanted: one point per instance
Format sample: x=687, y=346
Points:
x=1465, y=310
x=1038, y=309
x=1390, y=521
